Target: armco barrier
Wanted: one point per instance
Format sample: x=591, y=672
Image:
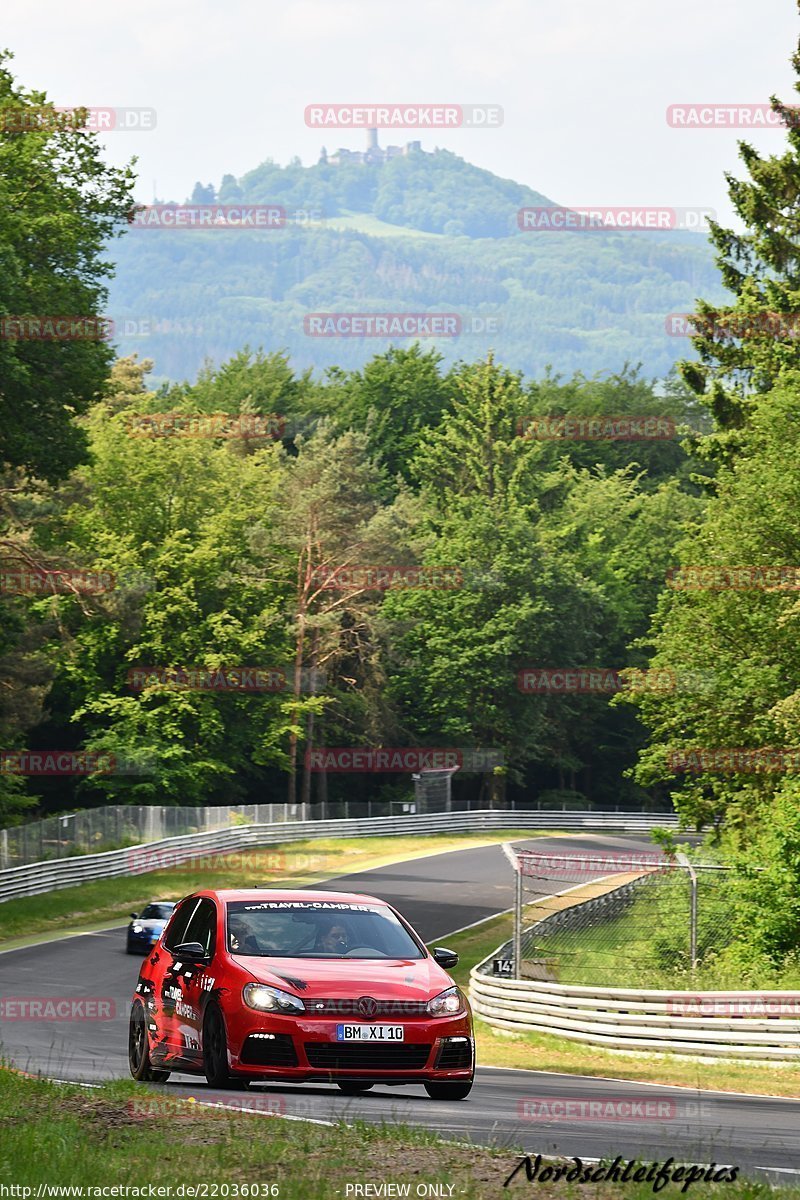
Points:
x=750, y=1026
x=35, y=878
x=638, y=1019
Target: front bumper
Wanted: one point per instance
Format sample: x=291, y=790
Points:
x=284, y=1047
x=143, y=942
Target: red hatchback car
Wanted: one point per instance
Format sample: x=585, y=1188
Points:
x=301, y=986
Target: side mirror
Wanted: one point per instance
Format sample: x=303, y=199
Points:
x=134, y=915
x=191, y=951
x=444, y=957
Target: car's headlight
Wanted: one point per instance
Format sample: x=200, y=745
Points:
x=271, y=999
x=137, y=929
x=447, y=1003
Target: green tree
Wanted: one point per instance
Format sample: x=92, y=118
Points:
x=396, y=400
x=561, y=570
x=60, y=204
x=171, y=517
x=331, y=520
x=742, y=351
x=455, y=653
x=739, y=635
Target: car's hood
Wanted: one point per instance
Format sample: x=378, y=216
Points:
x=150, y=926
x=342, y=978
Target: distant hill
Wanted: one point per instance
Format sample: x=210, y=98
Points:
x=419, y=233
x=431, y=193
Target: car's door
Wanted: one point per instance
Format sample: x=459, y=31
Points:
x=185, y=980
x=156, y=981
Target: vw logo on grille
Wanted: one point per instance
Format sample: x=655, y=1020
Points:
x=367, y=1006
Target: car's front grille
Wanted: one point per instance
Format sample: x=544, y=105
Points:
x=273, y=1050
x=349, y=1007
x=454, y=1053
x=355, y=1056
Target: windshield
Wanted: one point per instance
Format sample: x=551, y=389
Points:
x=317, y=929
x=157, y=912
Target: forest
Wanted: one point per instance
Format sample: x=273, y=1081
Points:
x=413, y=552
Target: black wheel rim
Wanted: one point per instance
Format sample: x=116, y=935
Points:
x=214, y=1046
x=136, y=1046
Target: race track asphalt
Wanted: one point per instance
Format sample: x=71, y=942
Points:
x=438, y=894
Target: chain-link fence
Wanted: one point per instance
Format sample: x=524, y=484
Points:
x=618, y=920
x=112, y=827
x=115, y=826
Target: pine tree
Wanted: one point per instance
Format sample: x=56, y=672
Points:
x=744, y=346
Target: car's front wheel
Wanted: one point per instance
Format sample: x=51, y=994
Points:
x=351, y=1087
x=139, y=1050
x=449, y=1091
x=215, y=1052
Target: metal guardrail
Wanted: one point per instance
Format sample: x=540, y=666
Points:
x=94, y=830
x=742, y=1025
x=35, y=878
x=638, y=1019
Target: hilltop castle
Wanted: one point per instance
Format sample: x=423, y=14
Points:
x=374, y=154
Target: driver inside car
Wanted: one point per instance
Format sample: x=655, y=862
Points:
x=242, y=938
x=331, y=938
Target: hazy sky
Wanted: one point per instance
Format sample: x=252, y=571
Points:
x=584, y=87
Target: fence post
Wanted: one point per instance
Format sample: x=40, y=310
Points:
x=684, y=862
x=518, y=926
x=510, y=854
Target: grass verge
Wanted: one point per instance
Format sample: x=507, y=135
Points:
x=60, y=1135
x=292, y=864
x=543, y=1052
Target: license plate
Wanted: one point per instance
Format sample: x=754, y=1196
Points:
x=369, y=1033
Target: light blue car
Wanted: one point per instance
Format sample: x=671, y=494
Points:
x=146, y=927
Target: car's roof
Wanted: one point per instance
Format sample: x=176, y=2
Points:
x=227, y=895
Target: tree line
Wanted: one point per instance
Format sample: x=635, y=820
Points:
x=573, y=553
